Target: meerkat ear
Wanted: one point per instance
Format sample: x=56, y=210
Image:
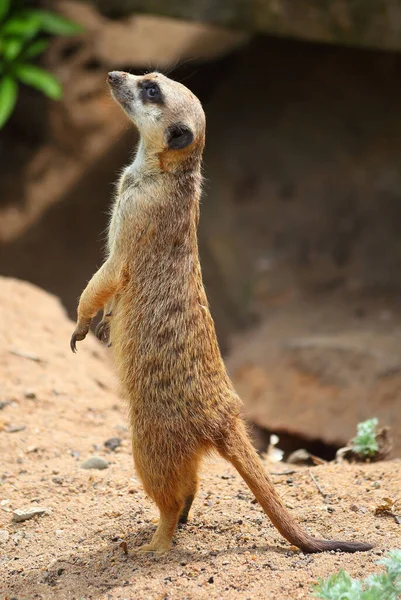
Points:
x=178, y=137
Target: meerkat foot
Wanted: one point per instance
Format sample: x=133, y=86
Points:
x=157, y=548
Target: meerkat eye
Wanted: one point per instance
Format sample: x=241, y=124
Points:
x=152, y=92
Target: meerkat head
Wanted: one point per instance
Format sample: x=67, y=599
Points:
x=169, y=117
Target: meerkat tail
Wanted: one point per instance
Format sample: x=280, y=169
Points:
x=237, y=449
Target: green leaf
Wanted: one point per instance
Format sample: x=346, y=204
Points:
x=339, y=586
x=4, y=8
x=35, y=48
x=11, y=48
x=365, y=442
x=25, y=26
x=40, y=79
x=55, y=24
x=379, y=586
x=8, y=98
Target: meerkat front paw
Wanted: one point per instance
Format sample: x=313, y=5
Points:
x=102, y=330
x=79, y=334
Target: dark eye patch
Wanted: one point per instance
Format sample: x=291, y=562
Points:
x=150, y=92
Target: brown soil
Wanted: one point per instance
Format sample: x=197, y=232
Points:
x=68, y=408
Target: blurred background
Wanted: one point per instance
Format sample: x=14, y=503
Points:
x=301, y=212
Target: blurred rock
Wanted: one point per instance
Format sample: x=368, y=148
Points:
x=24, y=514
x=321, y=385
x=299, y=457
x=151, y=40
x=113, y=443
x=95, y=462
x=371, y=24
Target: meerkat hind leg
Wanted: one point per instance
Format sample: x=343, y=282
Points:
x=190, y=497
x=174, y=503
x=185, y=511
x=161, y=540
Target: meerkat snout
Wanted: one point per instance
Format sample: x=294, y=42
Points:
x=116, y=77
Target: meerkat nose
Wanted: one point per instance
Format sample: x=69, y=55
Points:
x=115, y=77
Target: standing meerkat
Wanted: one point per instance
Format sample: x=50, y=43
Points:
x=182, y=403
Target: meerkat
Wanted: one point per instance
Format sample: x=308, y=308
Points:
x=182, y=404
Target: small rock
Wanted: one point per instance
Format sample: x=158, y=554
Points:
x=210, y=580
x=95, y=462
x=23, y=514
x=4, y=403
x=4, y=535
x=15, y=428
x=58, y=480
x=113, y=443
x=299, y=457
x=376, y=485
x=30, y=394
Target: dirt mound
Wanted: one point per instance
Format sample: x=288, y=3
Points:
x=58, y=410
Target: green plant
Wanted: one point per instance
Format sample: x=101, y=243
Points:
x=365, y=443
x=24, y=36
x=382, y=586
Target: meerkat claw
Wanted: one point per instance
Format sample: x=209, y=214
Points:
x=73, y=343
x=102, y=331
x=77, y=336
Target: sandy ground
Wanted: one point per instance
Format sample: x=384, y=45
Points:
x=59, y=409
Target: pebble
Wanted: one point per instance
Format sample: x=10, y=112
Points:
x=113, y=443
x=30, y=394
x=15, y=428
x=23, y=514
x=299, y=457
x=95, y=462
x=4, y=535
